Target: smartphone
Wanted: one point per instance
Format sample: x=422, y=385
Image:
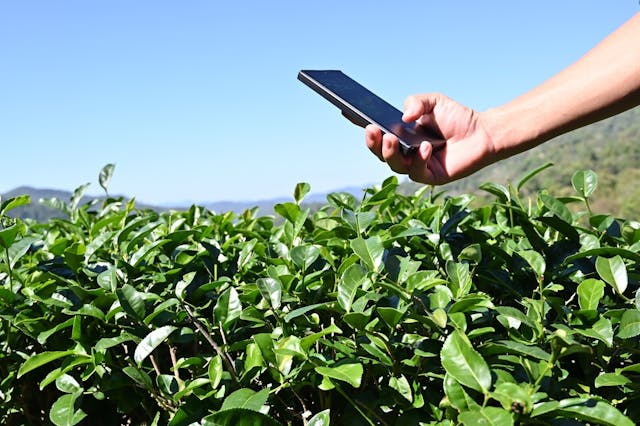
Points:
x=363, y=107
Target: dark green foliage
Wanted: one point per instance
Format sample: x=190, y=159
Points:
x=396, y=309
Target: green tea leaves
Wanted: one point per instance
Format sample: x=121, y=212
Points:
x=397, y=306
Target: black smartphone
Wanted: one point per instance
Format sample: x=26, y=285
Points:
x=363, y=107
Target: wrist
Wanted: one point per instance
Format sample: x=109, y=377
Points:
x=510, y=131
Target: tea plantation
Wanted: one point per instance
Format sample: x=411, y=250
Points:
x=420, y=309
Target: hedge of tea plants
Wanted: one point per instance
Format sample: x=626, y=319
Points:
x=414, y=310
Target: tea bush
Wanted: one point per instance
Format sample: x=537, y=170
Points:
x=412, y=310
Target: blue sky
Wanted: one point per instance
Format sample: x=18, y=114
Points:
x=198, y=101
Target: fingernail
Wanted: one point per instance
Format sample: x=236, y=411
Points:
x=425, y=147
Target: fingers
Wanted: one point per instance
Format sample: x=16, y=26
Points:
x=373, y=139
x=425, y=167
x=387, y=148
x=391, y=153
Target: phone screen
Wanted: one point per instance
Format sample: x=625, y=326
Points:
x=363, y=107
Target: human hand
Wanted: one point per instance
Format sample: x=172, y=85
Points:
x=467, y=148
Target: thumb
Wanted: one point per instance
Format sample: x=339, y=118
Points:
x=415, y=106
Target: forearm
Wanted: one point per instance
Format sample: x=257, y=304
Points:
x=604, y=82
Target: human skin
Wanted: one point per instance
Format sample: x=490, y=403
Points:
x=604, y=82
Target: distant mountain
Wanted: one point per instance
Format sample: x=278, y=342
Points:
x=42, y=212
x=266, y=206
x=36, y=210
x=611, y=148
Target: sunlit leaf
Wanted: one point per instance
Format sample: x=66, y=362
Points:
x=228, y=307
x=590, y=291
x=487, y=416
x=498, y=190
x=459, y=278
x=68, y=384
x=531, y=175
x=585, y=182
x=64, y=412
x=351, y=281
x=300, y=191
x=304, y=256
x=587, y=409
x=629, y=324
x=41, y=359
x=131, y=300
x=215, y=371
x=152, y=341
x=464, y=363
x=402, y=386
x=458, y=397
x=8, y=235
x=556, y=207
x=350, y=373
x=322, y=418
x=105, y=176
x=611, y=379
x=239, y=417
x=271, y=290
x=613, y=271
x=14, y=202
x=247, y=399
x=370, y=251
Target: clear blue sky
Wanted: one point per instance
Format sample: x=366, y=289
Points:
x=198, y=100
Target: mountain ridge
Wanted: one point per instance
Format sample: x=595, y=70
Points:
x=610, y=147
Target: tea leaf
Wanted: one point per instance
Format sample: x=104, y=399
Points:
x=300, y=191
x=370, y=251
x=613, y=271
x=556, y=207
x=611, y=379
x=350, y=373
x=459, y=278
x=228, y=307
x=487, y=416
x=322, y=418
x=13, y=202
x=105, y=176
x=629, y=324
x=498, y=190
x=271, y=290
x=8, y=235
x=239, y=417
x=215, y=371
x=246, y=399
x=351, y=281
x=464, y=363
x=590, y=291
x=531, y=174
x=585, y=182
x=152, y=341
x=304, y=256
x=592, y=410
x=63, y=411
x=458, y=397
x=535, y=260
x=41, y=359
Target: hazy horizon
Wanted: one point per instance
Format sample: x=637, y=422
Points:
x=200, y=101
